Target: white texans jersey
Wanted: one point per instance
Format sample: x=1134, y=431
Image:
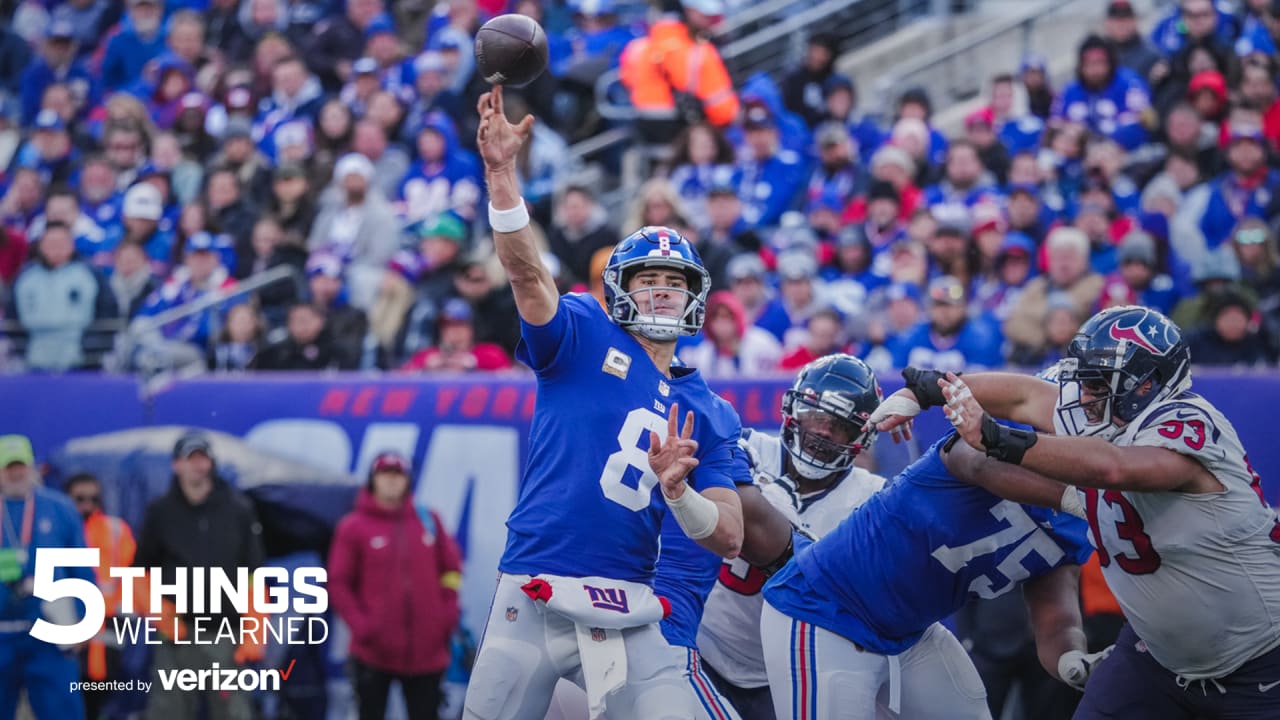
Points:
x=1197, y=575
x=729, y=636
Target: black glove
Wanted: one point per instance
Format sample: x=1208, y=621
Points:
x=924, y=385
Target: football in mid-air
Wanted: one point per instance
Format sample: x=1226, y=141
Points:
x=511, y=50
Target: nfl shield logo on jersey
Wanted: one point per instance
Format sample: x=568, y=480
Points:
x=598, y=634
x=512, y=614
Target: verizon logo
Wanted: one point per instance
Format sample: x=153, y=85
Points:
x=221, y=679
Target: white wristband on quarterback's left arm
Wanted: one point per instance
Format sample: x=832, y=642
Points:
x=696, y=515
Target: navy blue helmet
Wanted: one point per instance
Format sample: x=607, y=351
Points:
x=824, y=415
x=1114, y=355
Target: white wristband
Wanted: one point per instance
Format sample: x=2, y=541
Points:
x=696, y=515
x=1071, y=502
x=508, y=221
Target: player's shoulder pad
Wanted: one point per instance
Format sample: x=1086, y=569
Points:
x=1182, y=424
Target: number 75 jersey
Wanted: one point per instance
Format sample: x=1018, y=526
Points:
x=915, y=552
x=1197, y=575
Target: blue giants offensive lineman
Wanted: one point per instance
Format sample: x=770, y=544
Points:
x=850, y=624
x=1186, y=546
x=574, y=594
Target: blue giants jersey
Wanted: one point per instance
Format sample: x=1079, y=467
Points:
x=915, y=552
x=687, y=573
x=588, y=504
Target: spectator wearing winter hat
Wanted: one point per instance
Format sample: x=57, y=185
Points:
x=800, y=294
x=949, y=339
x=441, y=178
x=839, y=173
x=771, y=178
x=745, y=275
x=1107, y=98
x=1067, y=250
x=1233, y=336
x=1013, y=272
x=241, y=155
x=731, y=347
x=394, y=575
x=894, y=166
x=382, y=44
x=1214, y=274
x=50, y=151
x=442, y=243
x=363, y=83
x=57, y=62
x=347, y=325
x=431, y=94
x=142, y=211
x=139, y=41
x=456, y=349
x=1138, y=279
x=1034, y=75
x=254, y=20
x=840, y=99
x=980, y=131
x=852, y=274
x=355, y=222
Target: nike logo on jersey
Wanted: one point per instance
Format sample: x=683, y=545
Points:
x=1265, y=687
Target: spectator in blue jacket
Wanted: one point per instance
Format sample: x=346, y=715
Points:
x=1107, y=98
x=138, y=42
x=1205, y=19
x=1248, y=189
x=841, y=97
x=46, y=671
x=771, y=177
x=56, y=63
x=949, y=339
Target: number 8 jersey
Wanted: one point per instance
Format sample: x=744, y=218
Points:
x=589, y=504
x=1197, y=575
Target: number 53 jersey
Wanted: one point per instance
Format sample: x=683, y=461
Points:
x=1197, y=575
x=915, y=552
x=588, y=504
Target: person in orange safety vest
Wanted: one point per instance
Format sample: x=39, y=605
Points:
x=114, y=540
x=674, y=60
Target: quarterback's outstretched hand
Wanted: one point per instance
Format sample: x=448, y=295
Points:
x=1074, y=667
x=673, y=460
x=498, y=140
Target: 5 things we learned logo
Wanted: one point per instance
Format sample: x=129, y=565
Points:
x=198, y=606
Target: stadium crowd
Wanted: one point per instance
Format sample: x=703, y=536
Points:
x=155, y=153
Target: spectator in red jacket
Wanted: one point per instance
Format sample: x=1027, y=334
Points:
x=457, y=349
x=394, y=574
